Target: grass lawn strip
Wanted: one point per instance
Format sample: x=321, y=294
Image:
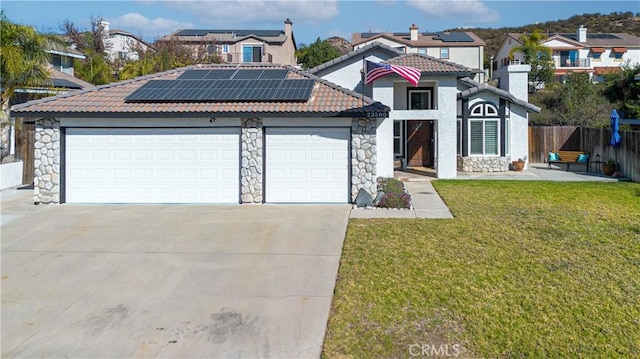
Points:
x=525, y=269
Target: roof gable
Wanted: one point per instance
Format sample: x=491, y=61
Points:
x=476, y=89
x=429, y=65
x=362, y=51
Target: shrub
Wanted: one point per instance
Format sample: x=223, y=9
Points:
x=395, y=200
x=394, y=194
x=392, y=185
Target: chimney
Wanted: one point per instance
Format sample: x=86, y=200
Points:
x=582, y=34
x=414, y=32
x=514, y=79
x=287, y=28
x=105, y=25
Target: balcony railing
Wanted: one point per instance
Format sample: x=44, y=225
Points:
x=236, y=57
x=576, y=63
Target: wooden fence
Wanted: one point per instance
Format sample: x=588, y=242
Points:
x=543, y=139
x=25, y=147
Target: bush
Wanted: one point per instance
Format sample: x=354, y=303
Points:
x=394, y=194
x=392, y=185
x=394, y=200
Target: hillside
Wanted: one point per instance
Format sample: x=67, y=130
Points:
x=614, y=22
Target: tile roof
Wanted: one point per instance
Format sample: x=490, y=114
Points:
x=78, y=83
x=475, y=87
x=430, y=65
x=108, y=100
x=357, y=52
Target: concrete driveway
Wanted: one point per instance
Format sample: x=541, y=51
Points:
x=179, y=281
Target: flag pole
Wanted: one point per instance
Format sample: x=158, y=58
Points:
x=364, y=76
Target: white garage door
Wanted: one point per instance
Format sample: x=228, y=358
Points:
x=307, y=165
x=184, y=165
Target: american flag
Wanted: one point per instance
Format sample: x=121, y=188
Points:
x=375, y=71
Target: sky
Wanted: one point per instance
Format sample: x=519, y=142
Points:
x=152, y=19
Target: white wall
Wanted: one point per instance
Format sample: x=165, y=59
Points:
x=150, y=122
x=518, y=123
x=11, y=174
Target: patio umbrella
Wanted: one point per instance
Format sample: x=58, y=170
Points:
x=615, y=136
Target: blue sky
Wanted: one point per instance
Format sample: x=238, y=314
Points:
x=152, y=19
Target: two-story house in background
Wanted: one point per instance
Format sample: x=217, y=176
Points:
x=463, y=48
x=241, y=46
x=595, y=53
x=123, y=45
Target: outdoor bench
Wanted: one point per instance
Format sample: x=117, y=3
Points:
x=568, y=157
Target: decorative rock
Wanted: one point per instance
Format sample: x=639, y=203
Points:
x=251, y=162
x=364, y=199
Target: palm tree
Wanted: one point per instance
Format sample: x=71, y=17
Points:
x=536, y=55
x=23, y=64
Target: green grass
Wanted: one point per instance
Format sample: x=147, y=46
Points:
x=526, y=269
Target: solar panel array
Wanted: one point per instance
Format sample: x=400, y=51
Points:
x=216, y=90
x=240, y=33
x=453, y=37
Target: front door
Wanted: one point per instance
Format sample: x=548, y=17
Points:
x=420, y=143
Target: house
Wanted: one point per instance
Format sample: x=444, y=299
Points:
x=122, y=45
x=61, y=57
x=464, y=48
x=243, y=133
x=595, y=53
x=241, y=46
x=448, y=122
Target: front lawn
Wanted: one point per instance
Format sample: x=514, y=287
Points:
x=526, y=269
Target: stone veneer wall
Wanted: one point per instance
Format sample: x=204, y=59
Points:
x=47, y=162
x=251, y=167
x=363, y=156
x=483, y=164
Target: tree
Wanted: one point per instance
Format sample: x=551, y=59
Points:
x=96, y=67
x=576, y=102
x=316, y=54
x=537, y=56
x=623, y=90
x=23, y=64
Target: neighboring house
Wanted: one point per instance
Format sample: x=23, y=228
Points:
x=595, y=53
x=463, y=48
x=61, y=57
x=448, y=122
x=122, y=45
x=241, y=46
x=248, y=133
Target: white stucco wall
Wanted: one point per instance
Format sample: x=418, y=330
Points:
x=348, y=73
x=444, y=129
x=515, y=79
x=519, y=126
x=11, y=174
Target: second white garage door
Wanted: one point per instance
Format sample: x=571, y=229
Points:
x=307, y=165
x=135, y=165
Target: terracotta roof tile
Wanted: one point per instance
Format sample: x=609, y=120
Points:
x=326, y=97
x=428, y=64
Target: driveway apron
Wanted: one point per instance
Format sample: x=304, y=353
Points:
x=179, y=281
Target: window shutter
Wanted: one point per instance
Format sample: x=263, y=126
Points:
x=491, y=137
x=476, y=137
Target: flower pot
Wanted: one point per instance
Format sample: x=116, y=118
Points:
x=517, y=165
x=608, y=169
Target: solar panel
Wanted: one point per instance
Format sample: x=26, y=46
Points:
x=453, y=37
x=275, y=74
x=220, y=74
x=206, y=90
x=65, y=83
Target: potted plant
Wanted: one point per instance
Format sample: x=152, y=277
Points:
x=518, y=165
x=609, y=167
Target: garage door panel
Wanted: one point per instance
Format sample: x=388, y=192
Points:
x=152, y=165
x=307, y=165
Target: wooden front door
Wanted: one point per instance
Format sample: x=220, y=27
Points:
x=420, y=143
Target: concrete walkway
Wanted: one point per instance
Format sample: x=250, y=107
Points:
x=426, y=204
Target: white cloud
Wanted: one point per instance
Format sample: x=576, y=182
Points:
x=472, y=10
x=217, y=13
x=148, y=28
